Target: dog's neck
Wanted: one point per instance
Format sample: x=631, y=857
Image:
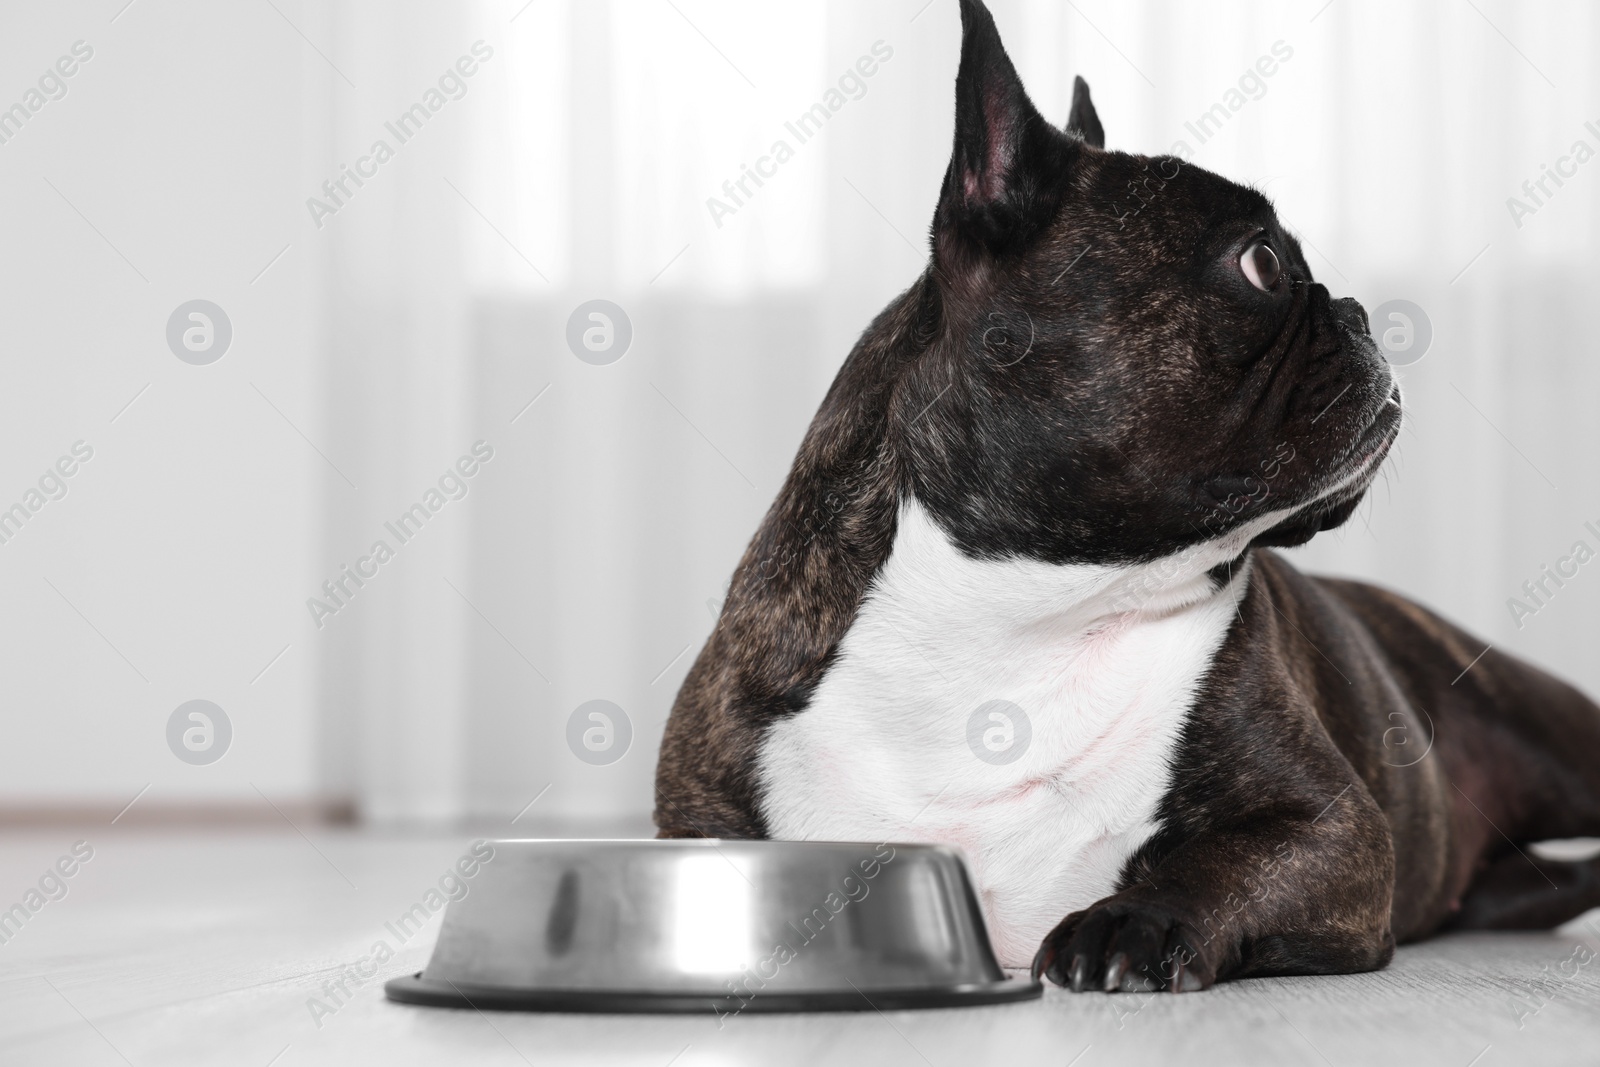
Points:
x=939, y=587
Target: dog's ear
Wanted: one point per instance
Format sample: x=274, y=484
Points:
x=1082, y=119
x=1009, y=164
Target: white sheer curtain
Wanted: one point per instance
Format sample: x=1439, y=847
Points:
x=587, y=559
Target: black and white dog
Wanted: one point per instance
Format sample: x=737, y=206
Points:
x=1016, y=595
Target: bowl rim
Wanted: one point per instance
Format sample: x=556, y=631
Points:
x=706, y=842
x=414, y=989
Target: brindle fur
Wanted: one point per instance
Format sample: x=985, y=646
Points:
x=1301, y=833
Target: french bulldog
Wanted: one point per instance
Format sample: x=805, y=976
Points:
x=1017, y=595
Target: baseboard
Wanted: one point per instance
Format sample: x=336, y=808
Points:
x=146, y=812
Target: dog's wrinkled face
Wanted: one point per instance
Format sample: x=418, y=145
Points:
x=1132, y=355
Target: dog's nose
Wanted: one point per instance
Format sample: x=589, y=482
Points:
x=1351, y=315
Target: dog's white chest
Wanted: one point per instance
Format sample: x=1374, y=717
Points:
x=1024, y=712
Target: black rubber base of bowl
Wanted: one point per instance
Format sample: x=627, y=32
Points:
x=414, y=989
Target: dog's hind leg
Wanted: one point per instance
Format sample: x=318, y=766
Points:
x=1521, y=891
x=1538, y=761
x=1536, y=754
x=1520, y=749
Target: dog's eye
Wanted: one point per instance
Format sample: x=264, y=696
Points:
x=1260, y=266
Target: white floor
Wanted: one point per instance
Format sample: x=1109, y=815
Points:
x=205, y=948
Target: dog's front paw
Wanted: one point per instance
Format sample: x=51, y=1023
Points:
x=1130, y=945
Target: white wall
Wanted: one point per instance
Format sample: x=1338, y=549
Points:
x=432, y=308
x=168, y=171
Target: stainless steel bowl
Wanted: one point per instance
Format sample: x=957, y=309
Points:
x=720, y=926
